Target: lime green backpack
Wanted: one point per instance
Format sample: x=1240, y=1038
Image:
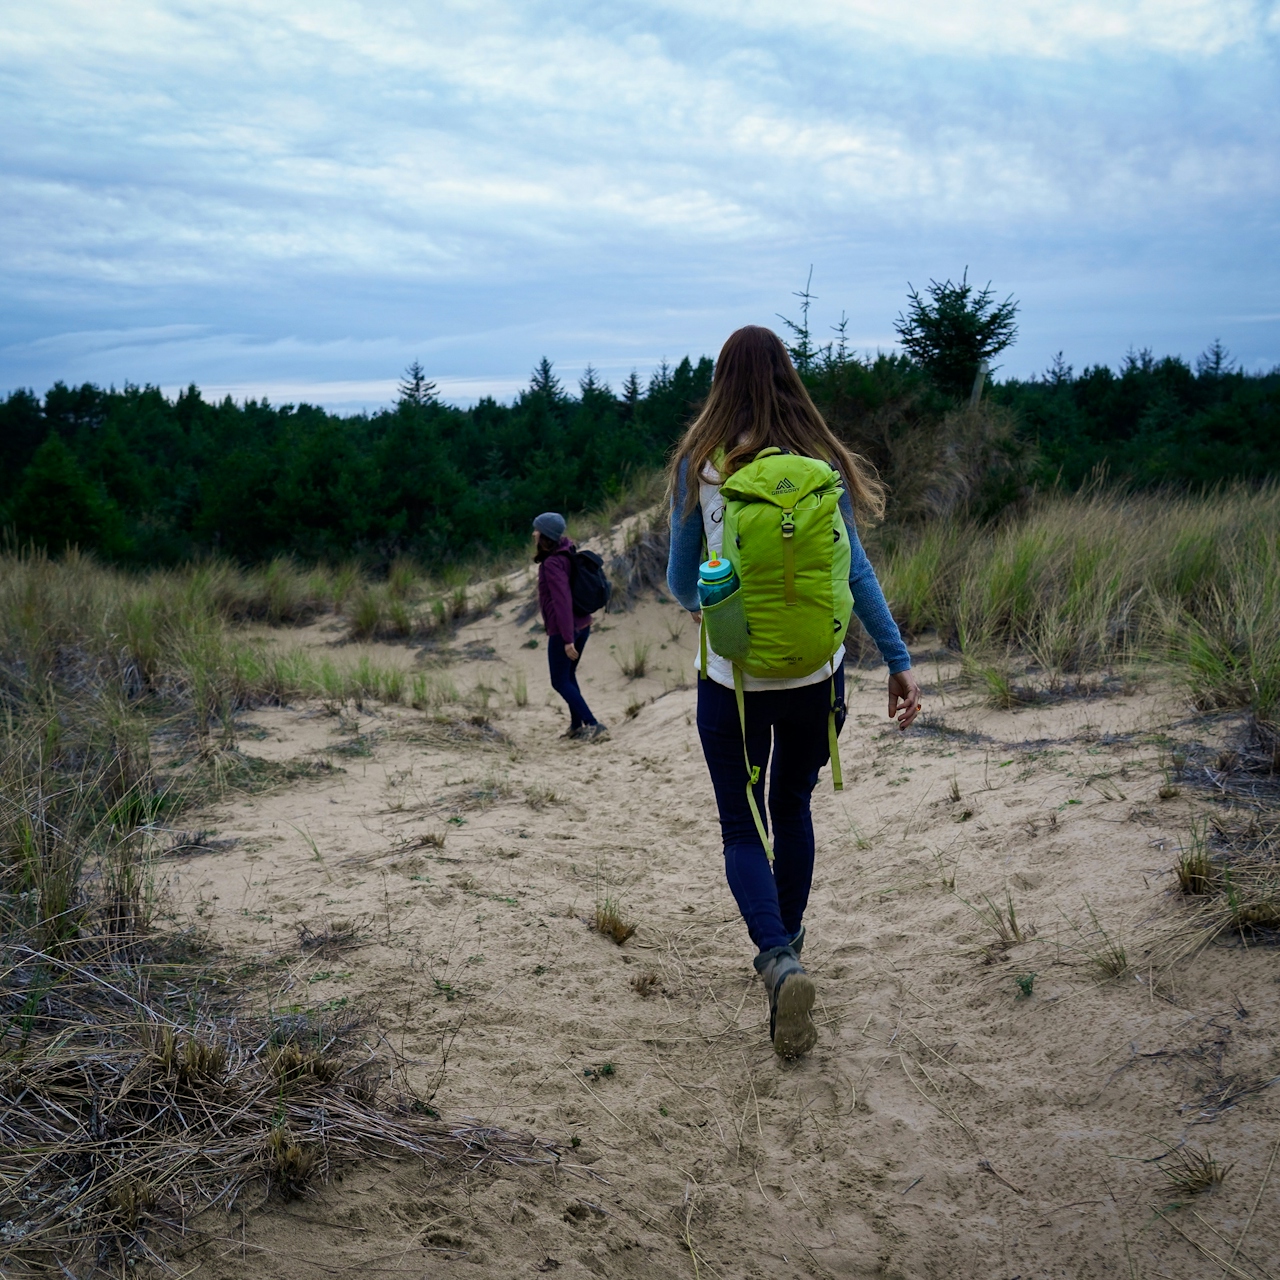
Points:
x=786, y=539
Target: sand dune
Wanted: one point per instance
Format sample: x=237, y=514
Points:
x=944, y=1126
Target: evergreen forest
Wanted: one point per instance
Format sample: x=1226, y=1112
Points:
x=141, y=479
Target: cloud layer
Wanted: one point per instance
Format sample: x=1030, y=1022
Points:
x=301, y=196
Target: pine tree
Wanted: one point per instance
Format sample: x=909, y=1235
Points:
x=841, y=353
x=1059, y=372
x=802, y=349
x=544, y=382
x=414, y=388
x=950, y=335
x=1214, y=362
x=56, y=507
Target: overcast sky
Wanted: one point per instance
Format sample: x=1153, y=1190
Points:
x=297, y=199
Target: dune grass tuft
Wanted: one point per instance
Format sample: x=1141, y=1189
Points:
x=1002, y=921
x=1194, y=868
x=646, y=982
x=634, y=659
x=539, y=797
x=1104, y=951
x=609, y=921
x=1189, y=1170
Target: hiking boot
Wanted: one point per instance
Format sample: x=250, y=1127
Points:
x=791, y=996
x=593, y=732
x=573, y=731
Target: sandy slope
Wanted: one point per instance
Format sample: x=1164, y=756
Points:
x=943, y=1127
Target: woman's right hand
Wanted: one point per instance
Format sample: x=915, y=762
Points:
x=904, y=697
x=696, y=615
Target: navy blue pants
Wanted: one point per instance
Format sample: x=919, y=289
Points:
x=793, y=723
x=564, y=677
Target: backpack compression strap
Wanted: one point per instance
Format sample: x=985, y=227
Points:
x=789, y=555
x=833, y=742
x=753, y=770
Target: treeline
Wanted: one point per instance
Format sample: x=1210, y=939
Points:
x=143, y=479
x=1155, y=422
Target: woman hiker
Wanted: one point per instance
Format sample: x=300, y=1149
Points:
x=567, y=634
x=757, y=400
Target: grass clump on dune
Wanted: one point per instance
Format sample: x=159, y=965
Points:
x=137, y=1087
x=1103, y=579
x=609, y=921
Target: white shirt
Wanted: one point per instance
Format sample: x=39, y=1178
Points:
x=721, y=669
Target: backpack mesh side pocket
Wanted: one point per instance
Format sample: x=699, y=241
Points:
x=726, y=624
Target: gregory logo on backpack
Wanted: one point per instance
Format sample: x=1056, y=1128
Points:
x=785, y=486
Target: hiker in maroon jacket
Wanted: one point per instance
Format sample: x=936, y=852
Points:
x=566, y=633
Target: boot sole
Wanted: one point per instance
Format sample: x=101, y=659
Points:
x=793, y=1030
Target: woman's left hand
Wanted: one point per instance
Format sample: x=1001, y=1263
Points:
x=904, y=697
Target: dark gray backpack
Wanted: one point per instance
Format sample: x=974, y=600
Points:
x=589, y=585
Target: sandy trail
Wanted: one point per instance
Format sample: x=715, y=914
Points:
x=944, y=1126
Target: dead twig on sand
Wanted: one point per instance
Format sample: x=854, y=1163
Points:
x=1228, y=1268
x=943, y=1110
x=597, y=1097
x=1256, y=1201
x=697, y=1259
x=998, y=1176
x=1214, y=1230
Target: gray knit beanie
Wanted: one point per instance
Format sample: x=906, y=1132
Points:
x=551, y=524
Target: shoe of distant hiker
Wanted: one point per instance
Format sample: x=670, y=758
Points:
x=593, y=732
x=791, y=996
x=574, y=731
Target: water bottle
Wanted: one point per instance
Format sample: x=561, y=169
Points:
x=716, y=581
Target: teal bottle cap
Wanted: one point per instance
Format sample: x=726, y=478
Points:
x=715, y=570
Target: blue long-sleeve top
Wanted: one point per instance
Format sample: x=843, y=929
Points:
x=869, y=603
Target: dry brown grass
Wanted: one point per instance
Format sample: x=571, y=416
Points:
x=1002, y=921
x=1194, y=869
x=641, y=566
x=538, y=797
x=332, y=937
x=1102, y=948
x=138, y=1085
x=609, y=921
x=1190, y=1170
x=646, y=982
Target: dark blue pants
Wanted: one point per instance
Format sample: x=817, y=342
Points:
x=793, y=722
x=564, y=677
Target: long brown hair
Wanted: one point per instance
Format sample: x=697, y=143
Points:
x=758, y=400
